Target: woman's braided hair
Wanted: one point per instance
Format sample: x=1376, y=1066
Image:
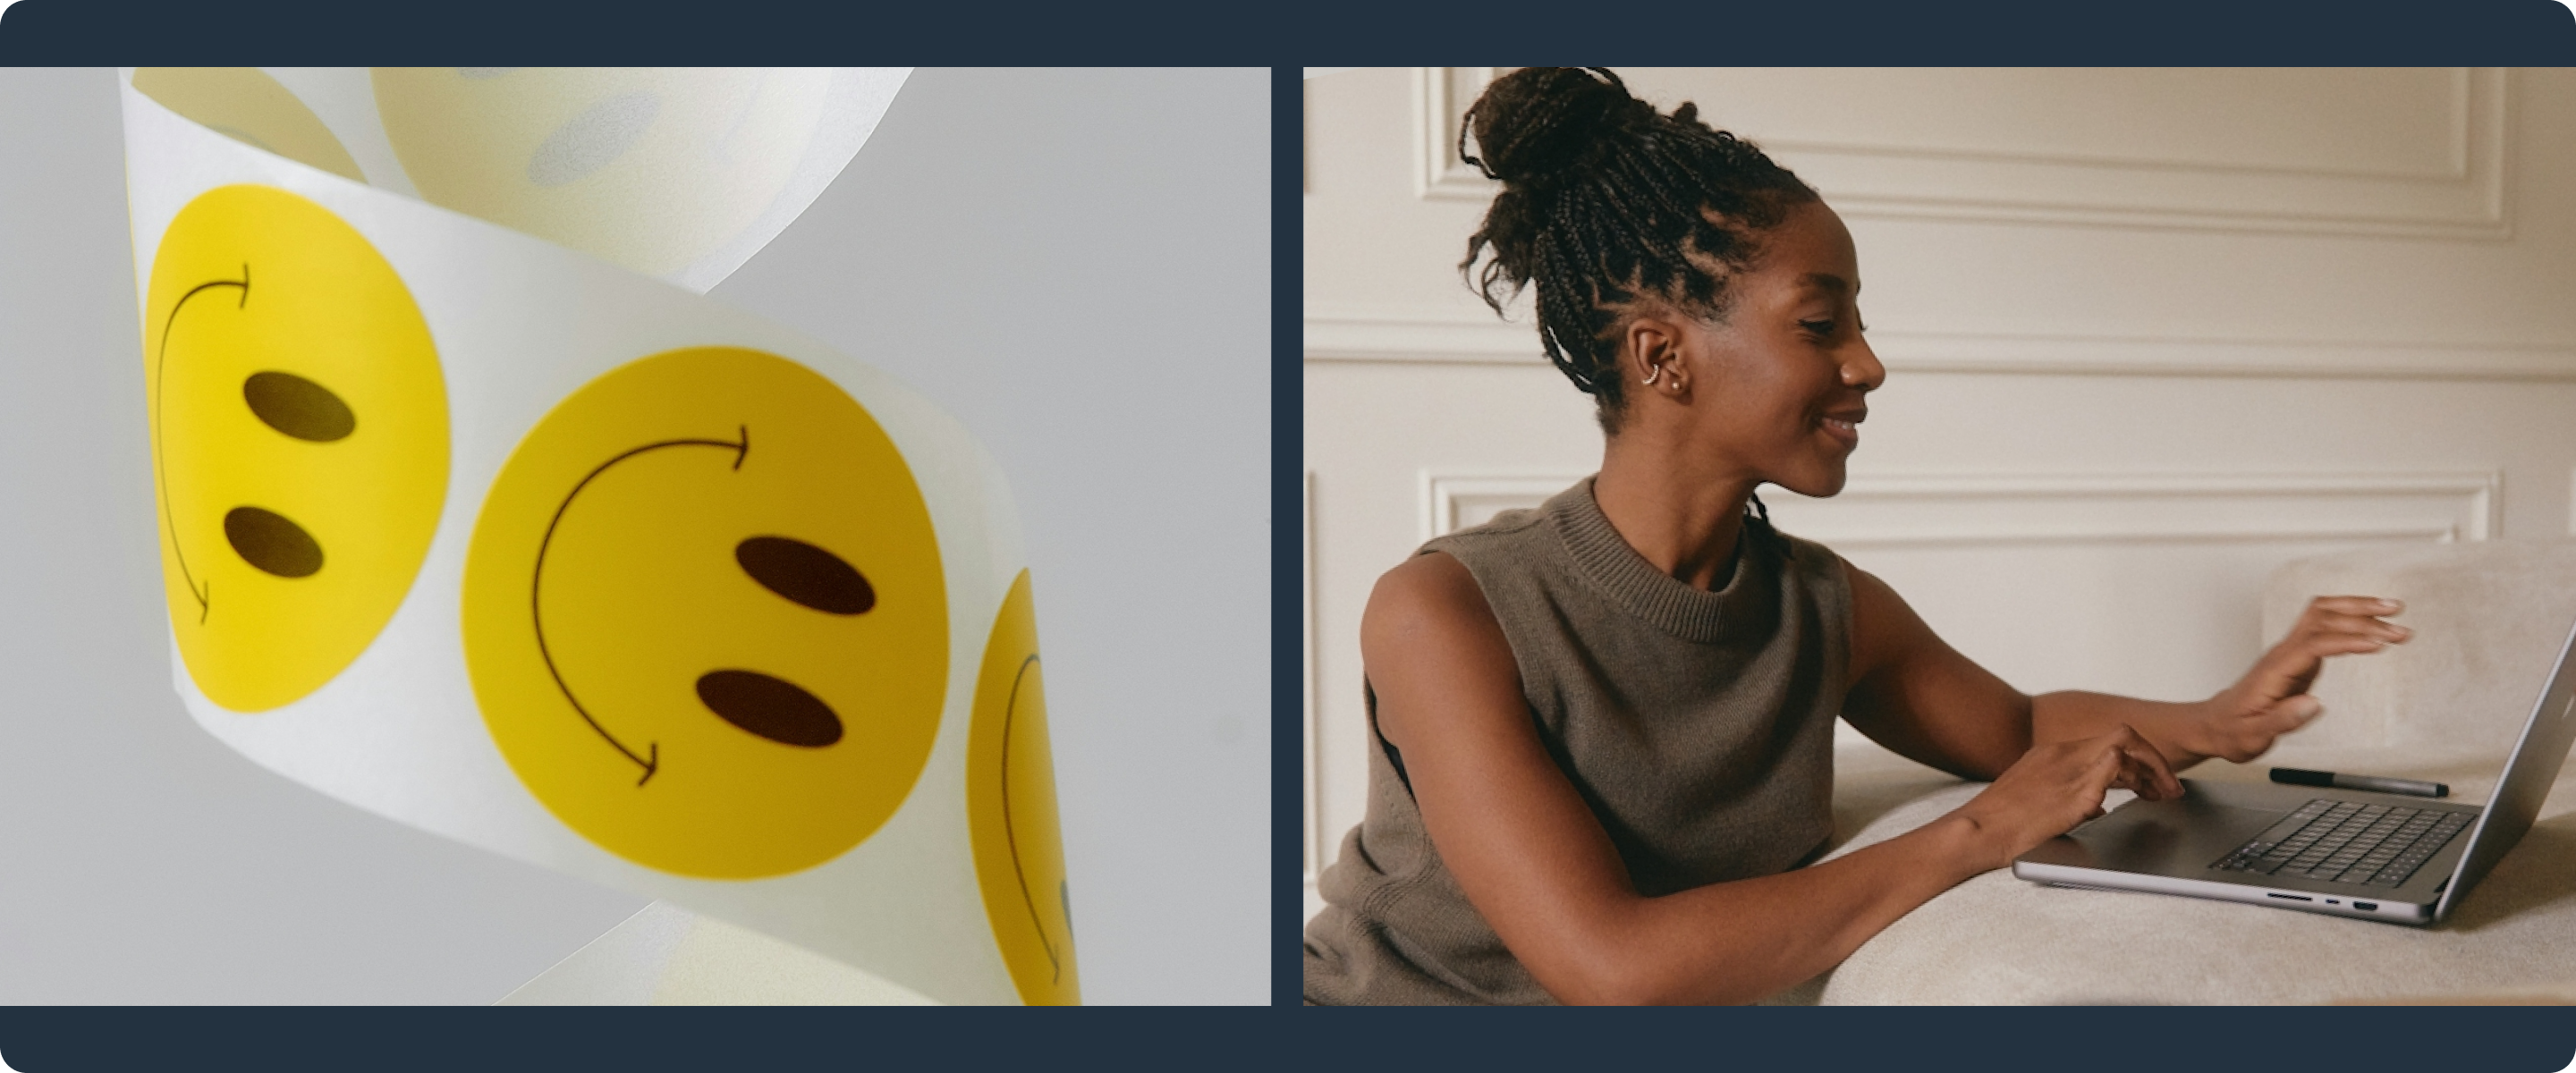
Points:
x=1604, y=199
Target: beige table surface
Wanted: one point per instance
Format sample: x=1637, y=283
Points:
x=1998, y=939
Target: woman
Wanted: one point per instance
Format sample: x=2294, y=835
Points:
x=1604, y=726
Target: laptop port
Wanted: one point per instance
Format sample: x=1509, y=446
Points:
x=2367, y=907
x=2288, y=897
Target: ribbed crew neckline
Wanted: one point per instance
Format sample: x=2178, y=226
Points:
x=1685, y=611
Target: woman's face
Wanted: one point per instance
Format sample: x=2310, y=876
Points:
x=1775, y=392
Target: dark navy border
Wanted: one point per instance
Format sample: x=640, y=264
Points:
x=1287, y=531
x=2090, y=1039
x=1837, y=33
x=1821, y=32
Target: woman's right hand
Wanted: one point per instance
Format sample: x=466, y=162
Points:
x=2057, y=785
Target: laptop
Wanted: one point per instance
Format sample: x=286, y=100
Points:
x=2406, y=860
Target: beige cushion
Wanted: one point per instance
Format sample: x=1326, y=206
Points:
x=2488, y=618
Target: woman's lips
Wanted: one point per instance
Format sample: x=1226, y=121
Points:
x=1844, y=429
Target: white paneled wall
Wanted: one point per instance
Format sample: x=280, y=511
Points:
x=2149, y=334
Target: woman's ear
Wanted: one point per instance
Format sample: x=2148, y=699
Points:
x=1651, y=353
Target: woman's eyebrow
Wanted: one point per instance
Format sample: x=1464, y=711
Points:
x=1830, y=283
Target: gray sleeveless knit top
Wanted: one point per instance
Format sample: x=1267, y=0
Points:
x=1697, y=725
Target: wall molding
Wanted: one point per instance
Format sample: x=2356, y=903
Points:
x=1314, y=847
x=1440, y=99
x=2469, y=201
x=1350, y=334
x=1966, y=510
x=1450, y=501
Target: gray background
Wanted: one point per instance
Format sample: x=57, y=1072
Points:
x=1076, y=264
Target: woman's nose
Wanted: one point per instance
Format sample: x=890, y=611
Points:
x=1860, y=366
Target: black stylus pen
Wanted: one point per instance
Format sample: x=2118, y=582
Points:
x=2372, y=783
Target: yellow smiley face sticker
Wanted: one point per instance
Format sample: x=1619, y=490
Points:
x=248, y=106
x=583, y=155
x=299, y=441
x=704, y=615
x=1010, y=803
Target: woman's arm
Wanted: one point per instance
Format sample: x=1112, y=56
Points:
x=1536, y=863
x=1919, y=697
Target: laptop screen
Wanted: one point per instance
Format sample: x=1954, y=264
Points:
x=2527, y=778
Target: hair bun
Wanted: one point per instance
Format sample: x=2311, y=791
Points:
x=1537, y=123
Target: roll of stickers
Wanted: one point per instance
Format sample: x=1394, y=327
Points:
x=475, y=514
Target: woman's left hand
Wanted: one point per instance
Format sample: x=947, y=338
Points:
x=2272, y=699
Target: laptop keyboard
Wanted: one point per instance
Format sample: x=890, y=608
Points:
x=2348, y=842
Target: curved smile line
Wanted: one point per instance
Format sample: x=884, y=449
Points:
x=160, y=472
x=651, y=760
x=1009, y=833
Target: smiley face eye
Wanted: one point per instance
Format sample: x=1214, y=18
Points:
x=773, y=708
x=267, y=540
x=805, y=574
x=298, y=407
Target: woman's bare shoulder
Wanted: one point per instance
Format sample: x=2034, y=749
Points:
x=1431, y=596
x=1428, y=581
x=1884, y=628
x=1430, y=644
